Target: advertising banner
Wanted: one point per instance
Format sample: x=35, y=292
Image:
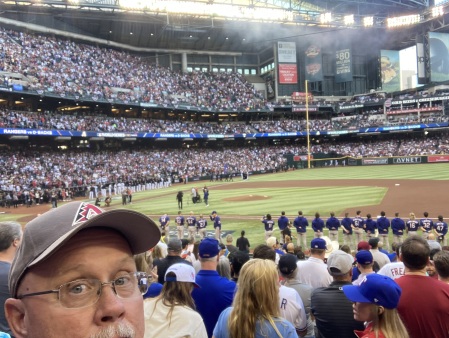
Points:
x=288, y=74
x=343, y=65
x=390, y=70
x=439, y=56
x=374, y=161
x=437, y=158
x=407, y=160
x=314, y=63
x=286, y=52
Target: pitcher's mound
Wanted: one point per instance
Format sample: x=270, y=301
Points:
x=246, y=198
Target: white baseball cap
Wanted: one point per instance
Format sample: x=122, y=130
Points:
x=183, y=273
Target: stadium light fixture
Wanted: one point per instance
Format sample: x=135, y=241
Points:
x=401, y=21
x=326, y=18
x=437, y=11
x=368, y=21
x=349, y=20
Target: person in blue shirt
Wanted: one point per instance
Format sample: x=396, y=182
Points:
x=333, y=224
x=318, y=225
x=358, y=224
x=201, y=225
x=346, y=225
x=217, y=225
x=269, y=224
x=282, y=224
x=398, y=228
x=440, y=228
x=215, y=292
x=164, y=221
x=206, y=195
x=180, y=225
x=412, y=225
x=370, y=227
x=301, y=223
x=426, y=225
x=383, y=225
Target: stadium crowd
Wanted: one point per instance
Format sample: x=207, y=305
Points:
x=67, y=68
x=103, y=123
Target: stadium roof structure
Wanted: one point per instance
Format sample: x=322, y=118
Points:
x=201, y=26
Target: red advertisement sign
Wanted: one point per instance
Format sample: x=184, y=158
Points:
x=288, y=73
x=438, y=158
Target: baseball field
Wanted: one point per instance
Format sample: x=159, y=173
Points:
x=240, y=204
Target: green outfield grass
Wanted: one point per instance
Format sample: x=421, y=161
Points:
x=245, y=215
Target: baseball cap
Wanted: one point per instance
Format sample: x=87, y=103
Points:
x=374, y=241
x=375, y=289
x=287, y=264
x=174, y=244
x=363, y=245
x=339, y=263
x=331, y=246
x=184, y=273
x=48, y=232
x=364, y=257
x=318, y=243
x=209, y=248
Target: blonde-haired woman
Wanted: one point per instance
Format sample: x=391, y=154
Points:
x=173, y=314
x=375, y=302
x=255, y=309
x=412, y=225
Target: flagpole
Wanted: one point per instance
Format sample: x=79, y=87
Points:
x=307, y=124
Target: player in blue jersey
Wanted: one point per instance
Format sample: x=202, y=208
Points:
x=383, y=225
x=201, y=225
x=370, y=227
x=398, y=228
x=426, y=225
x=269, y=225
x=164, y=221
x=180, y=225
x=346, y=225
x=301, y=223
x=440, y=228
x=217, y=225
x=318, y=226
x=191, y=225
x=333, y=224
x=358, y=223
x=412, y=225
x=282, y=224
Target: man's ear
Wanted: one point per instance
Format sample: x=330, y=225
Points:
x=15, y=314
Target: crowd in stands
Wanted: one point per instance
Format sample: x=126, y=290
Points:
x=67, y=68
x=102, y=123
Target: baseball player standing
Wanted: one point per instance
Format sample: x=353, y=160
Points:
x=217, y=225
x=346, y=225
x=333, y=224
x=180, y=225
x=383, y=225
x=370, y=227
x=282, y=224
x=191, y=225
x=318, y=225
x=164, y=221
x=358, y=225
x=301, y=223
x=201, y=225
x=269, y=224
x=426, y=225
x=412, y=225
x=440, y=228
x=398, y=228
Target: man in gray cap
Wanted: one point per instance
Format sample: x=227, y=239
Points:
x=74, y=274
x=333, y=313
x=174, y=249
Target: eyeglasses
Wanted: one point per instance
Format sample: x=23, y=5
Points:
x=84, y=292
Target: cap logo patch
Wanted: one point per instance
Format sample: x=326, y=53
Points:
x=85, y=212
